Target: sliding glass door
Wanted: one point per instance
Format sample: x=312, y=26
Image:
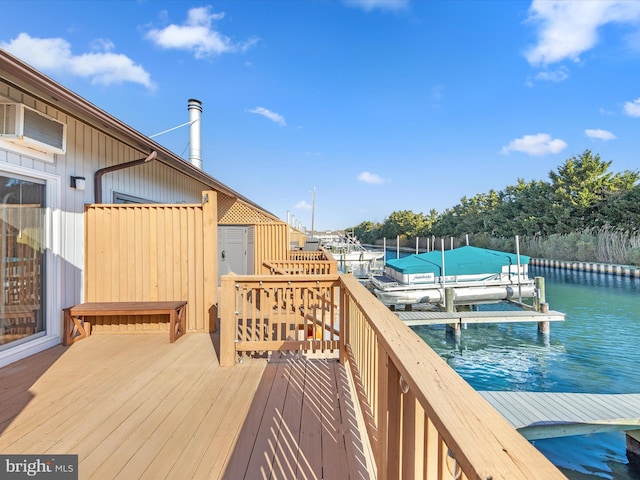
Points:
x=22, y=254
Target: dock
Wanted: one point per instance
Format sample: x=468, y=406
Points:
x=538, y=415
x=415, y=318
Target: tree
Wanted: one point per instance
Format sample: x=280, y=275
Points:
x=402, y=222
x=472, y=215
x=581, y=187
x=367, y=232
x=427, y=226
x=523, y=210
x=622, y=211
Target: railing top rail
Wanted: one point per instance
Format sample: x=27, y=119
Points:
x=329, y=278
x=480, y=438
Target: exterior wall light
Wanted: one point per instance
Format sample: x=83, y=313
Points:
x=78, y=183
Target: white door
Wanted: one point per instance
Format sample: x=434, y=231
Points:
x=232, y=250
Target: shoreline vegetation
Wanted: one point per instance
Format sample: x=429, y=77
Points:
x=584, y=213
x=604, y=251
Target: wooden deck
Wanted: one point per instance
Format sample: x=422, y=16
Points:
x=136, y=406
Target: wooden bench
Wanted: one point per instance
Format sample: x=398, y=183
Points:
x=76, y=327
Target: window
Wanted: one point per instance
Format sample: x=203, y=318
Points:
x=124, y=198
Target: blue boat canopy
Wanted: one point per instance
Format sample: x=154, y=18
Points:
x=460, y=261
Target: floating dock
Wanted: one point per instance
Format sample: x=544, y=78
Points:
x=540, y=415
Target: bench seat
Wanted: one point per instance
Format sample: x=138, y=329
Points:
x=76, y=327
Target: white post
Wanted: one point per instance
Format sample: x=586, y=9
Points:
x=384, y=248
x=398, y=246
x=443, y=270
x=518, y=255
x=417, y=245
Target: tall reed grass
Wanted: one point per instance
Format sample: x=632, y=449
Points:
x=604, y=245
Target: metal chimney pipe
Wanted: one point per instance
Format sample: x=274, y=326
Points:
x=195, y=150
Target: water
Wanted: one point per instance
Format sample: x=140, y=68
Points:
x=594, y=351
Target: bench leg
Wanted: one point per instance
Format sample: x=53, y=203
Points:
x=75, y=328
x=178, y=323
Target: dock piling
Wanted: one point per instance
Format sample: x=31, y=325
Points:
x=633, y=449
x=453, y=329
x=541, y=305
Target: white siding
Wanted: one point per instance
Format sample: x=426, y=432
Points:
x=88, y=150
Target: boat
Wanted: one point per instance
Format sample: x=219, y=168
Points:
x=477, y=276
x=353, y=257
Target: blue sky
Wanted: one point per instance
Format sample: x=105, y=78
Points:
x=380, y=105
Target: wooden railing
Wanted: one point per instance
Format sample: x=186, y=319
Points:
x=302, y=255
x=301, y=263
x=299, y=267
x=422, y=419
x=276, y=312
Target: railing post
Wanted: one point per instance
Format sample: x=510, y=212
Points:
x=388, y=459
x=210, y=261
x=394, y=421
x=228, y=328
x=344, y=339
x=383, y=399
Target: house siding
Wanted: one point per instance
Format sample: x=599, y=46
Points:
x=88, y=150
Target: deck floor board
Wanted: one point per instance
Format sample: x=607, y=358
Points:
x=307, y=427
x=135, y=406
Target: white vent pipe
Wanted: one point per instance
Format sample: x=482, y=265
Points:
x=195, y=150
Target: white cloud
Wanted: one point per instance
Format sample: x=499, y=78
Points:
x=197, y=35
x=599, y=134
x=559, y=75
x=568, y=28
x=369, y=5
x=536, y=145
x=371, y=178
x=274, y=117
x=53, y=55
x=302, y=205
x=632, y=108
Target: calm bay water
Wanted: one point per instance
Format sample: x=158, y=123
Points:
x=596, y=350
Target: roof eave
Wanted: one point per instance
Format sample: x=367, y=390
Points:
x=60, y=97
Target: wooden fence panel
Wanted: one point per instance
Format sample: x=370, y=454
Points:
x=271, y=243
x=149, y=252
